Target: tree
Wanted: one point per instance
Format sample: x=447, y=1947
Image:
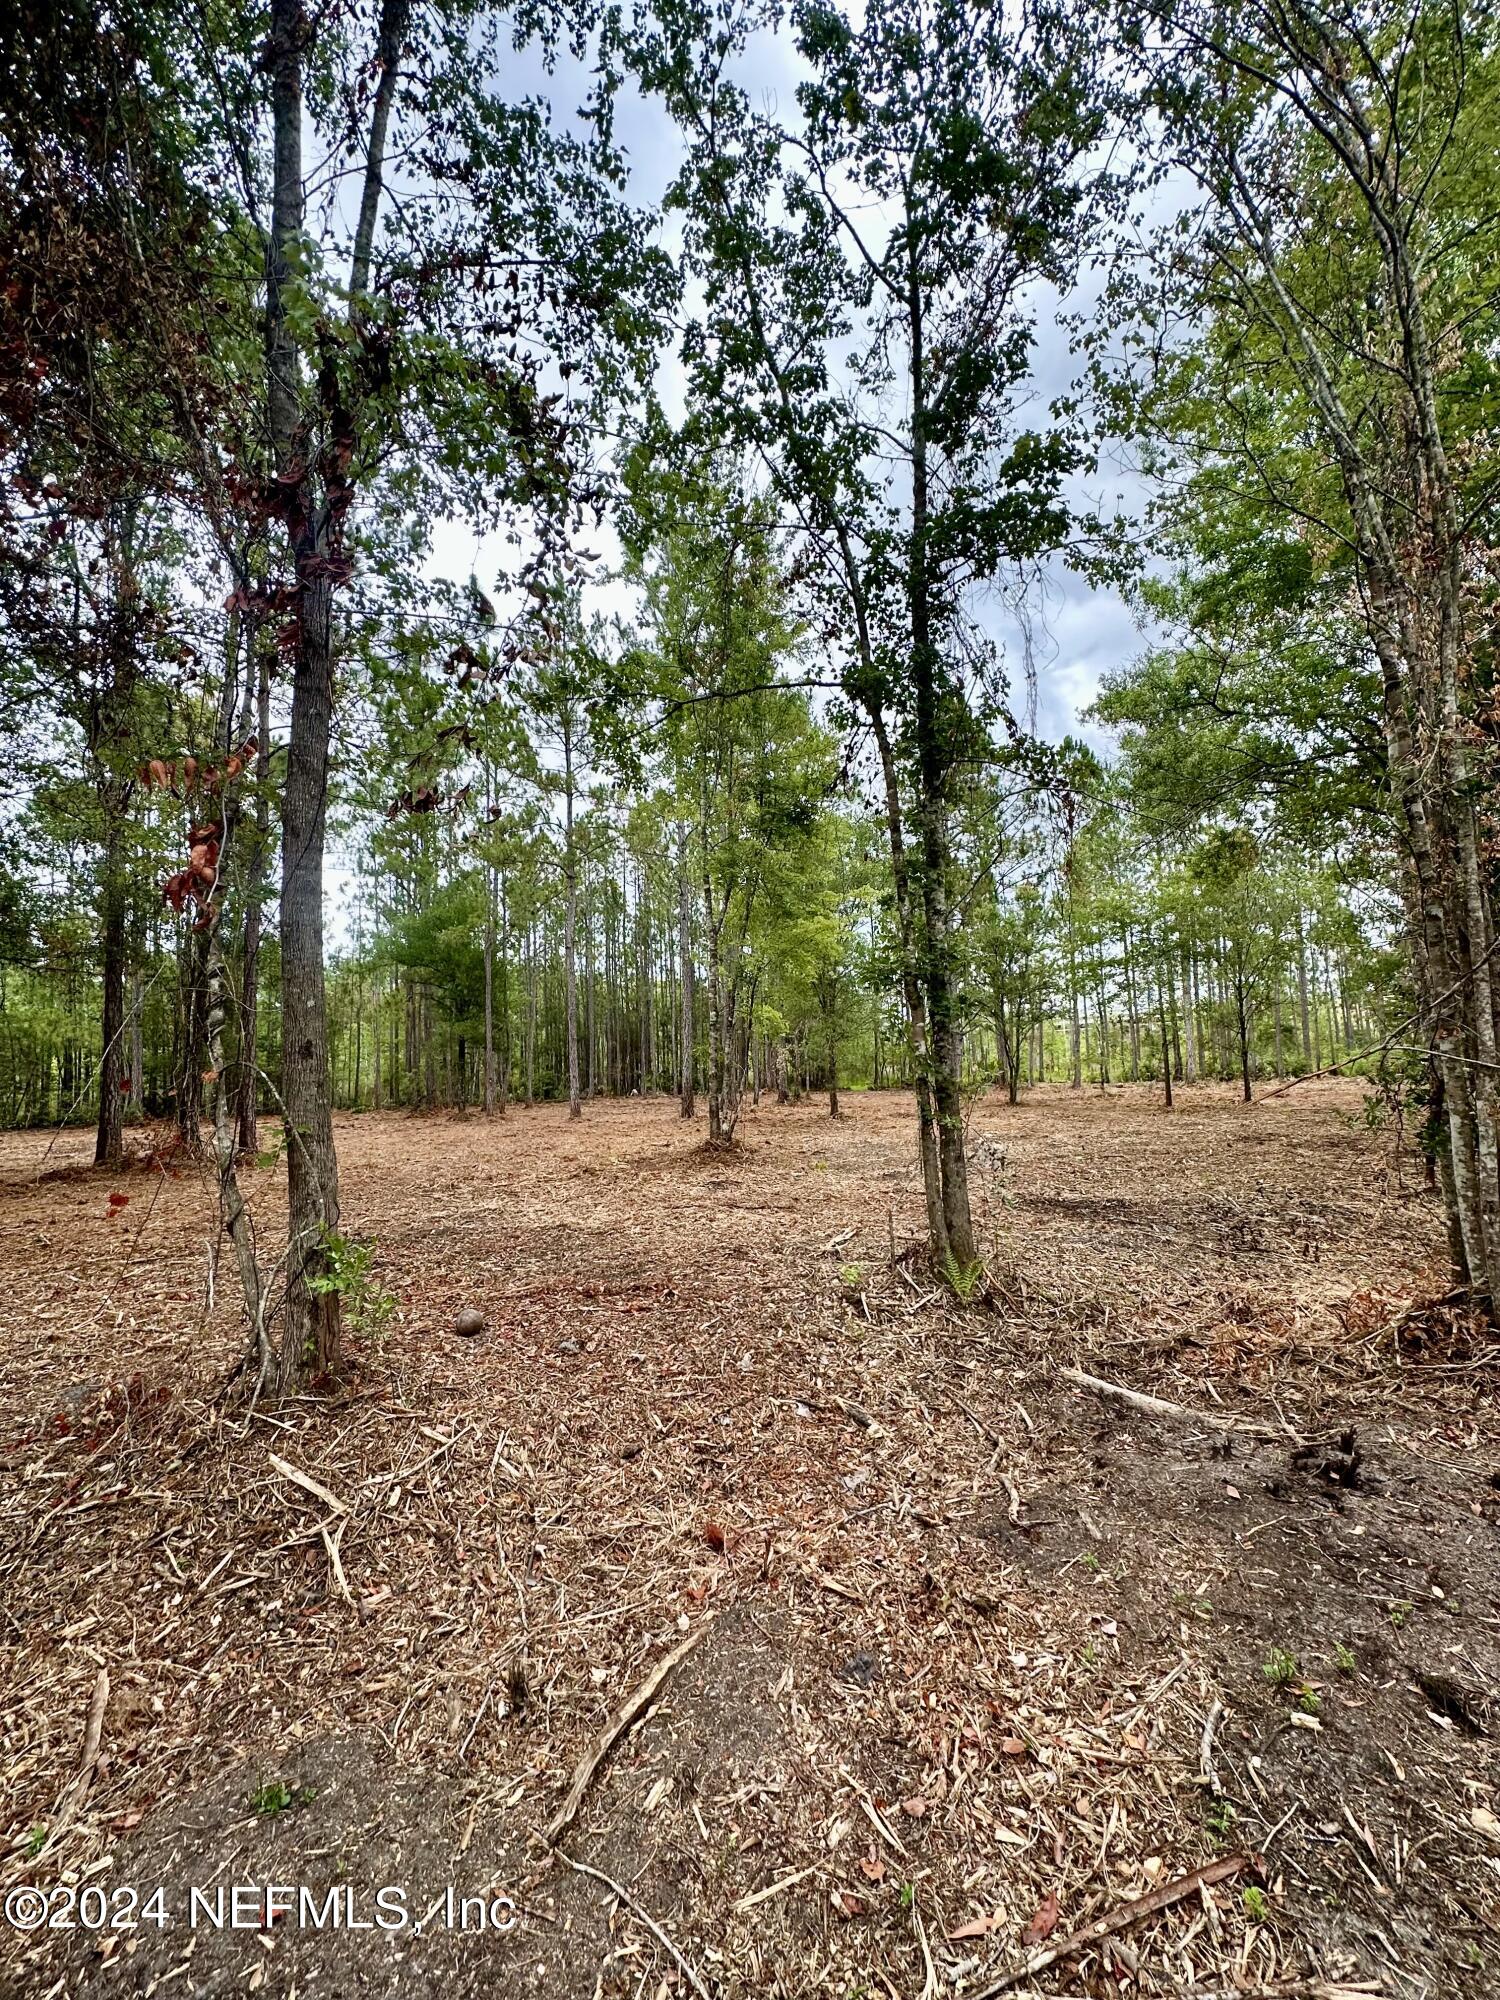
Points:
x=876, y=371
x=106, y=284
x=1341, y=253
x=744, y=756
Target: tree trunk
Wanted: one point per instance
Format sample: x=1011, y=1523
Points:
x=310, y=1332
x=136, y=1102
x=1166, y=1047
x=248, y=1095
x=1307, y=1047
x=109, y=1140
x=1242, y=1018
x=685, y=1089
x=570, y=922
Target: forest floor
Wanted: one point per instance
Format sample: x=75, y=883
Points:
x=976, y=1659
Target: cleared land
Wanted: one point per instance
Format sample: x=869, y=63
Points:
x=983, y=1656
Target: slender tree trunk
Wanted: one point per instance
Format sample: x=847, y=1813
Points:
x=685, y=1089
x=1130, y=1012
x=1307, y=1047
x=489, y=963
x=570, y=922
x=717, y=1065
x=1166, y=1046
x=136, y=1102
x=1242, y=1018
x=247, y=1096
x=109, y=1139
x=504, y=1093
x=589, y=983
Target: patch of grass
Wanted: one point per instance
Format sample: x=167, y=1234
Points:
x=34, y=1842
x=1256, y=1907
x=1308, y=1701
x=1343, y=1658
x=1219, y=1817
x=278, y=1796
x=851, y=1276
x=1400, y=1610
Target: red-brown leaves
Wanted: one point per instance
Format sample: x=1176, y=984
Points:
x=196, y=883
x=164, y=774
x=1044, y=1922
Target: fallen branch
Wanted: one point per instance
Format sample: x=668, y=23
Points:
x=1206, y=1877
x=583, y=1868
x=616, y=1727
x=307, y=1483
x=77, y=1787
x=1155, y=1406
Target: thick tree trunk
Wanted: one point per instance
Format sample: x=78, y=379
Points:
x=933, y=758
x=311, y=1330
x=911, y=992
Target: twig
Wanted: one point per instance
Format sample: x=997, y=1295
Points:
x=331, y=1543
x=1013, y=1494
x=872, y=1813
x=776, y=1888
x=1206, y=1769
x=1154, y=1406
x=307, y=1483
x=1129, y=1913
x=930, y=1986
x=618, y=1724
x=583, y=1868
x=78, y=1785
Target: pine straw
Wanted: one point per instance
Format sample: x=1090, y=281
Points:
x=706, y=1382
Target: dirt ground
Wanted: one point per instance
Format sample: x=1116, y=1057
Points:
x=974, y=1659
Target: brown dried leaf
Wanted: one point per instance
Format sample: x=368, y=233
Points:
x=1044, y=1923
